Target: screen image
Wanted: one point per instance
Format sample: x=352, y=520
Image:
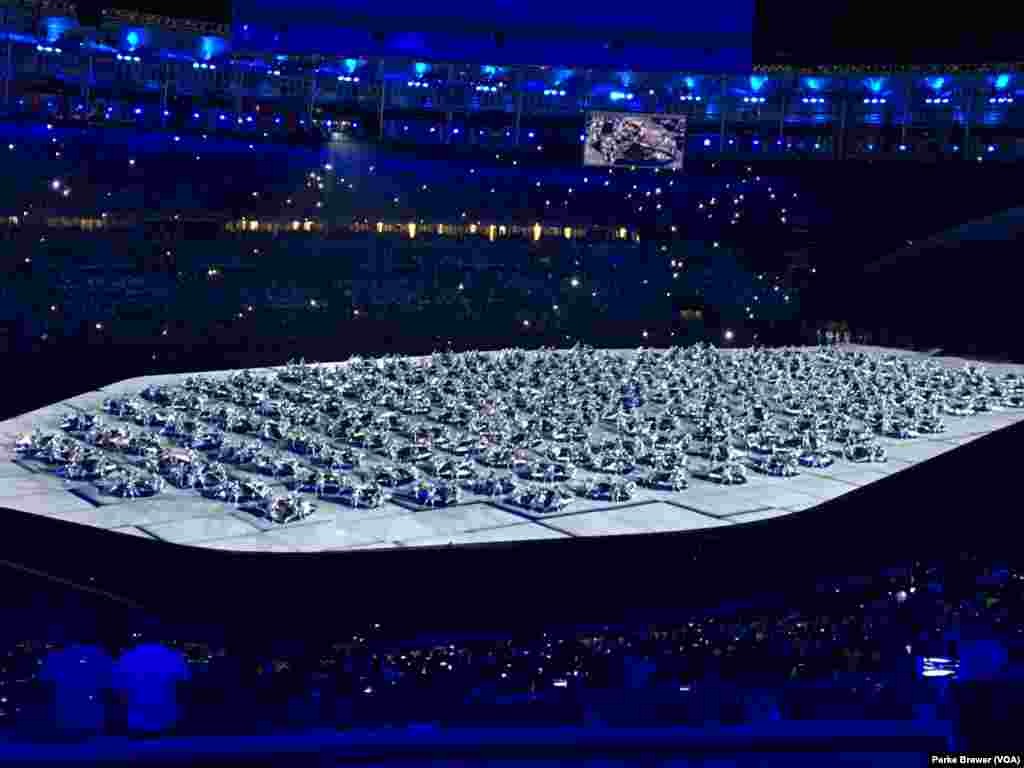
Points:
x=627, y=139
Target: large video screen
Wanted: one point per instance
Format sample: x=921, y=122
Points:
x=629, y=139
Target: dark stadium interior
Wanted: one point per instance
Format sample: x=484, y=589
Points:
x=828, y=245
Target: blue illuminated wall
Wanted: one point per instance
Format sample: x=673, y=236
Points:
x=665, y=36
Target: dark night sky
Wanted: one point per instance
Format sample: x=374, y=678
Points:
x=914, y=32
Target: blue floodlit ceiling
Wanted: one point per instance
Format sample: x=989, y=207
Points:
x=706, y=38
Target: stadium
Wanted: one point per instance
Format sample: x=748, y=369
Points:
x=377, y=352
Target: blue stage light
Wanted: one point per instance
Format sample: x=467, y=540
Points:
x=195, y=115
x=1002, y=81
x=132, y=38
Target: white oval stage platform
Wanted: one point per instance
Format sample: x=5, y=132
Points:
x=185, y=517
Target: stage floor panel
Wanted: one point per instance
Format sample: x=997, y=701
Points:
x=186, y=518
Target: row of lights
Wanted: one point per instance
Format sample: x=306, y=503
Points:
x=136, y=59
x=1001, y=100
x=553, y=92
x=48, y=49
x=348, y=79
x=753, y=99
x=486, y=89
x=197, y=65
x=874, y=101
x=690, y=97
x=936, y=101
x=418, y=84
x=812, y=100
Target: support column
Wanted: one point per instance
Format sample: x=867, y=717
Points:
x=840, y=147
x=968, y=118
x=519, y=117
x=236, y=86
x=9, y=71
x=311, y=106
x=908, y=93
x=782, y=119
x=164, y=98
x=87, y=76
x=722, y=110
